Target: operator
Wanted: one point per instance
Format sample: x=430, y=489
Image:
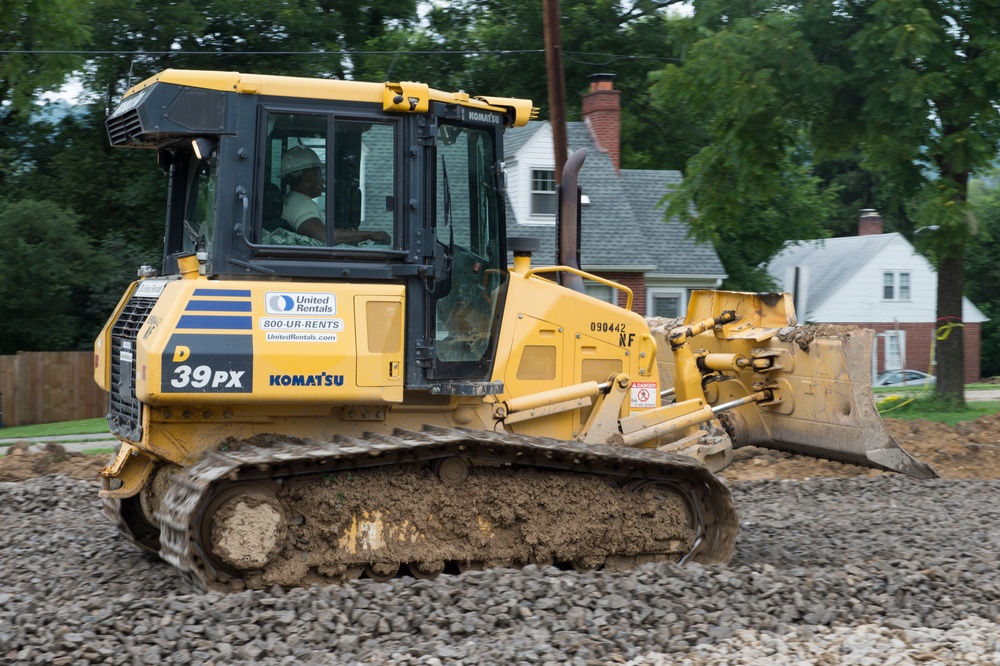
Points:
x=303, y=168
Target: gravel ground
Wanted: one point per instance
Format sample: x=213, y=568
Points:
x=865, y=570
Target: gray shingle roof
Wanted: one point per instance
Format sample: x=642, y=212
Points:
x=676, y=252
x=513, y=139
x=832, y=261
x=623, y=224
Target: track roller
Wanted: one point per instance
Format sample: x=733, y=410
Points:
x=381, y=572
x=426, y=570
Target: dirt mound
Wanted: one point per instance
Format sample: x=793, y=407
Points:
x=19, y=463
x=969, y=450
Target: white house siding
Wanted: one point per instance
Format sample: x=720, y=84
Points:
x=535, y=154
x=860, y=298
x=844, y=282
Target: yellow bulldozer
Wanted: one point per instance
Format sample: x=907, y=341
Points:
x=346, y=368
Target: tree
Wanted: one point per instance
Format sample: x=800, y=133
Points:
x=71, y=162
x=982, y=270
x=497, y=48
x=45, y=271
x=26, y=28
x=910, y=85
x=749, y=188
x=299, y=37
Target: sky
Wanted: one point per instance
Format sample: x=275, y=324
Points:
x=71, y=91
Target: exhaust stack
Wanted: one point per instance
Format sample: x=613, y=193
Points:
x=568, y=220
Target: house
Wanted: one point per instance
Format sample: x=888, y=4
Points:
x=878, y=281
x=624, y=236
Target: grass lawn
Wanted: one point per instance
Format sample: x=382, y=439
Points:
x=971, y=412
x=85, y=427
x=918, y=404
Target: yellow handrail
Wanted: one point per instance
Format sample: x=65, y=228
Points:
x=584, y=274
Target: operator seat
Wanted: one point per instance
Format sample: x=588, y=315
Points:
x=271, y=219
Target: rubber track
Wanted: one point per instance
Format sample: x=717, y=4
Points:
x=278, y=457
x=112, y=508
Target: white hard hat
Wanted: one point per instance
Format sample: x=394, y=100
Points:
x=298, y=158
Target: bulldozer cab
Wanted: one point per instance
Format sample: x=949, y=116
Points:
x=341, y=181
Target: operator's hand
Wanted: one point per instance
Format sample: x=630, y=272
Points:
x=379, y=237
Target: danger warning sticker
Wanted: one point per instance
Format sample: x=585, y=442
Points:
x=643, y=394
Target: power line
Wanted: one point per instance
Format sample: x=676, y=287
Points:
x=230, y=53
x=615, y=58
x=607, y=57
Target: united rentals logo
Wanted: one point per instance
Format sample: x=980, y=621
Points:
x=291, y=303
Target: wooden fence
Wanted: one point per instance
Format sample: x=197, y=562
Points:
x=47, y=387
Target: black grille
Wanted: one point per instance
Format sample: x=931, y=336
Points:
x=125, y=413
x=123, y=128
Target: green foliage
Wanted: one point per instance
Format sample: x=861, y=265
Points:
x=120, y=259
x=45, y=273
x=906, y=87
x=507, y=39
x=857, y=189
x=111, y=190
x=749, y=189
x=35, y=25
x=982, y=269
x=120, y=196
x=220, y=35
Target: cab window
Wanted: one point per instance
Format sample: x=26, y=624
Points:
x=467, y=222
x=328, y=182
x=199, y=203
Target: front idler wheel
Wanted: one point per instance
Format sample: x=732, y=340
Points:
x=248, y=526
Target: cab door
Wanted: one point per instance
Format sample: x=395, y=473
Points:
x=468, y=228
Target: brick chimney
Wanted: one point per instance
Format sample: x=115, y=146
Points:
x=602, y=112
x=870, y=222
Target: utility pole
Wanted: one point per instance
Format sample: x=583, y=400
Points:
x=557, y=86
x=568, y=217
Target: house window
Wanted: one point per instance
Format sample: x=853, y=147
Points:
x=665, y=304
x=601, y=292
x=890, y=282
x=543, y=192
x=904, y=286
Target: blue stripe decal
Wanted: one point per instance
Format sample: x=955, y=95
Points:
x=216, y=322
x=218, y=306
x=237, y=293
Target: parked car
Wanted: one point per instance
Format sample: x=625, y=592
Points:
x=905, y=378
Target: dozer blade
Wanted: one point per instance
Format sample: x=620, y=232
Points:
x=831, y=411
x=820, y=380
